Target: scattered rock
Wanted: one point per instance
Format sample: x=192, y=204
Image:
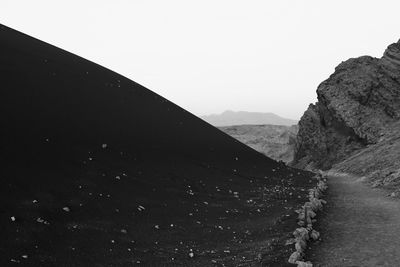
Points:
x=300, y=245
x=314, y=235
x=295, y=257
x=66, y=209
x=290, y=241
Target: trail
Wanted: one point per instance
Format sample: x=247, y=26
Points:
x=360, y=226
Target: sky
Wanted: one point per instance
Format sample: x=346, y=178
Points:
x=209, y=56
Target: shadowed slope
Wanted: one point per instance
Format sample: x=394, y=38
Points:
x=100, y=171
x=52, y=94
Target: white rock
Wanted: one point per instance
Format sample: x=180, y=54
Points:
x=314, y=235
x=66, y=209
x=311, y=214
x=300, y=245
x=296, y=256
x=301, y=233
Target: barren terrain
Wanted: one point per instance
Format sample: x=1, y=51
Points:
x=274, y=141
x=97, y=170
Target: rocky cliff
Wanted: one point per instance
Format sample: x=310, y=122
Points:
x=358, y=108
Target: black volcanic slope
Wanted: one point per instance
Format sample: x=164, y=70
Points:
x=97, y=170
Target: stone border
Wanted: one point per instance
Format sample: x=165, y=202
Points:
x=306, y=218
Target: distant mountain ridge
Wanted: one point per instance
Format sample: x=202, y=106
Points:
x=230, y=118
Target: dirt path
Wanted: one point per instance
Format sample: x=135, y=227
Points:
x=360, y=227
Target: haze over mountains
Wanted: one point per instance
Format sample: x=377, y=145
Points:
x=99, y=171
x=229, y=118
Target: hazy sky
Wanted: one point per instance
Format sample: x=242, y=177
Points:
x=212, y=55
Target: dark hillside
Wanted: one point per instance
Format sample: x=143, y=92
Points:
x=100, y=171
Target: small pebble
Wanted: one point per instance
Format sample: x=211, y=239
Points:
x=66, y=209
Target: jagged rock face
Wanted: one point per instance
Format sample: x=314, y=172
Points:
x=356, y=105
x=392, y=55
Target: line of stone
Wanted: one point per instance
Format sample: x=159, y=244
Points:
x=306, y=218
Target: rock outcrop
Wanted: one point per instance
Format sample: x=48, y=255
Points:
x=358, y=106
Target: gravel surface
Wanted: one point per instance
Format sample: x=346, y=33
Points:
x=359, y=227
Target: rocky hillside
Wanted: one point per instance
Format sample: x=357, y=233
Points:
x=354, y=125
x=274, y=141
